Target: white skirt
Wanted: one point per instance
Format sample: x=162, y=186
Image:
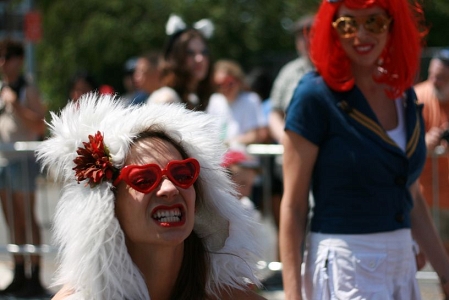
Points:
x=379, y=266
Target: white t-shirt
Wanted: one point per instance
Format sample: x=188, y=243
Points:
x=164, y=95
x=238, y=117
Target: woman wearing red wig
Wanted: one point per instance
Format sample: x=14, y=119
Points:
x=355, y=136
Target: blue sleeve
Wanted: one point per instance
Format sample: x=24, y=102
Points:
x=308, y=113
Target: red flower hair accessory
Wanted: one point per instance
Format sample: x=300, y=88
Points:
x=94, y=161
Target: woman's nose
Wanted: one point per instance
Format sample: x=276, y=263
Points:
x=167, y=188
x=199, y=57
x=361, y=31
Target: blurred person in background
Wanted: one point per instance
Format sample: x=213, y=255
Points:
x=281, y=94
x=128, y=79
x=289, y=76
x=21, y=119
x=186, y=66
x=434, y=94
x=260, y=82
x=146, y=77
x=238, y=111
x=81, y=83
x=243, y=170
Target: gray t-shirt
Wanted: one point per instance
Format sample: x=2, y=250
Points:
x=287, y=80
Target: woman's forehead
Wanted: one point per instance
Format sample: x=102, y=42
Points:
x=196, y=44
x=152, y=150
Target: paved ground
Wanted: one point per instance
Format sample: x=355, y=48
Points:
x=427, y=282
x=47, y=198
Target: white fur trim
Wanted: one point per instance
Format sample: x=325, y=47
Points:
x=93, y=256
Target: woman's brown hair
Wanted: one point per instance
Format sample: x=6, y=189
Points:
x=174, y=73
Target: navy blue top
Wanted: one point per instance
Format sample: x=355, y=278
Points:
x=361, y=177
x=139, y=97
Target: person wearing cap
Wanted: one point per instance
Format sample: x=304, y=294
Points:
x=434, y=94
x=146, y=211
x=288, y=77
x=281, y=94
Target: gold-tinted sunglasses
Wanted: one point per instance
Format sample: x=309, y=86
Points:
x=347, y=26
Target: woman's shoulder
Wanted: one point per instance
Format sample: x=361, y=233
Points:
x=164, y=95
x=62, y=294
x=217, y=104
x=312, y=82
x=313, y=90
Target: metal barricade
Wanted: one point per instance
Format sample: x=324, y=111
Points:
x=43, y=207
x=265, y=152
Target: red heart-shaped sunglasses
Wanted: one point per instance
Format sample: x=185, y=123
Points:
x=145, y=178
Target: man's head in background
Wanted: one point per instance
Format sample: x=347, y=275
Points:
x=439, y=74
x=301, y=29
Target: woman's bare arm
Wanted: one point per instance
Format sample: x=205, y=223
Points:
x=298, y=162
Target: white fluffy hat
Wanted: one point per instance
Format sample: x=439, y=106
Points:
x=92, y=252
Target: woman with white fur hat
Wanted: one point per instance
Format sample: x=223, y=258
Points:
x=146, y=212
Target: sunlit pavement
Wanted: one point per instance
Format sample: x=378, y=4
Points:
x=428, y=284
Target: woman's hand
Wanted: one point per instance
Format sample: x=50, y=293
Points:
x=433, y=138
x=8, y=95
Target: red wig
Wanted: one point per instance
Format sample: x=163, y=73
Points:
x=398, y=63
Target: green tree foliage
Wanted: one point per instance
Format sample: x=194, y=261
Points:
x=101, y=35
x=437, y=12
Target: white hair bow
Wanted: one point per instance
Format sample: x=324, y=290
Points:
x=176, y=24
